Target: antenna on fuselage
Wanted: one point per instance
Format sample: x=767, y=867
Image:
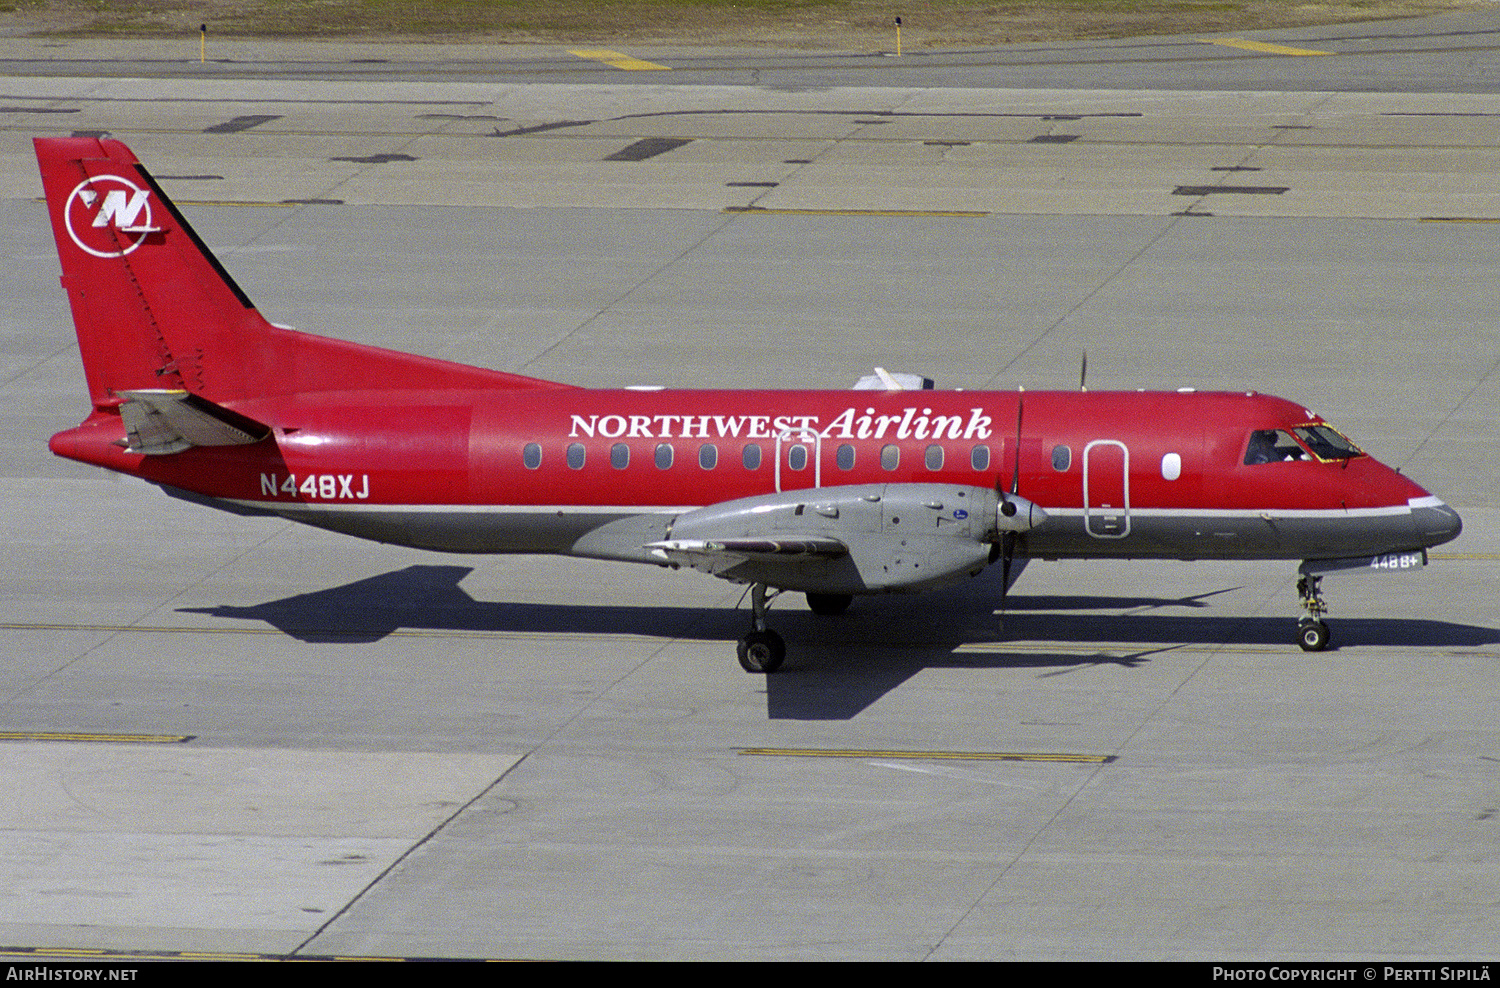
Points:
x=1083, y=373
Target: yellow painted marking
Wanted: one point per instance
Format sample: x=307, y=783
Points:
x=967, y=756
x=1262, y=47
x=74, y=736
x=617, y=60
x=855, y=212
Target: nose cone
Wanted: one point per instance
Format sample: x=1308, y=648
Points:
x=1436, y=523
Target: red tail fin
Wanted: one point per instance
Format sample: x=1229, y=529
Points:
x=152, y=306
x=155, y=310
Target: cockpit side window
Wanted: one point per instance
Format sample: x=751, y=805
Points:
x=1273, y=446
x=1326, y=443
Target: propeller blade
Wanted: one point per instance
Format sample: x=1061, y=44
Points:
x=1007, y=543
x=1015, y=476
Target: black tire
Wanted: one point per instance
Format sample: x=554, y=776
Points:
x=1312, y=636
x=762, y=651
x=829, y=603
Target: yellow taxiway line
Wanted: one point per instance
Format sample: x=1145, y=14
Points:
x=1263, y=47
x=80, y=736
x=617, y=60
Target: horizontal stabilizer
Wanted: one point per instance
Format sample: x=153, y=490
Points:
x=162, y=422
x=884, y=380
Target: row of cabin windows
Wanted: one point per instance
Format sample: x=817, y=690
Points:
x=752, y=456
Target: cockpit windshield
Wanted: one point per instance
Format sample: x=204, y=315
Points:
x=1327, y=444
x=1280, y=446
x=1273, y=446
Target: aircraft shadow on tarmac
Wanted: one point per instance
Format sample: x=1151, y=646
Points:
x=837, y=665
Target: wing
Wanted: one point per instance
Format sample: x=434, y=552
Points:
x=866, y=538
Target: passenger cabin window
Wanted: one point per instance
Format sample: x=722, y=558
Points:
x=751, y=456
x=619, y=456
x=933, y=457
x=708, y=456
x=1326, y=443
x=1062, y=458
x=979, y=458
x=844, y=457
x=1273, y=446
x=796, y=457
x=890, y=457
x=663, y=456
x=531, y=455
x=576, y=455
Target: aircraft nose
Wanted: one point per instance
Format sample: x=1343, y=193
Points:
x=1436, y=522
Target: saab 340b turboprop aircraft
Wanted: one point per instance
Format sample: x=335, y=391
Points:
x=884, y=488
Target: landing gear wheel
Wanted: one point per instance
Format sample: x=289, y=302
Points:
x=1312, y=636
x=762, y=651
x=829, y=603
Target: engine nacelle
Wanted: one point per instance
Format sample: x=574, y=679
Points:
x=858, y=539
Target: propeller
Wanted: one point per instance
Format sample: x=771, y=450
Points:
x=1004, y=548
x=1008, y=540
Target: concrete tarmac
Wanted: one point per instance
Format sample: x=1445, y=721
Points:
x=307, y=745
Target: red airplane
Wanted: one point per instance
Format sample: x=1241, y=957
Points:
x=887, y=487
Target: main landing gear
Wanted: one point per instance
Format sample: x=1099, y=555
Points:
x=761, y=650
x=1312, y=630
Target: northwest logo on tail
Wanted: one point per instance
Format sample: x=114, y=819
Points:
x=109, y=216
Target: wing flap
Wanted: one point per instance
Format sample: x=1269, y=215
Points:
x=720, y=555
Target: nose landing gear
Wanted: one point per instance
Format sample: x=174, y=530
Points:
x=1312, y=630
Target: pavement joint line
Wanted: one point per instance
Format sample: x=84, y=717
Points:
x=969, y=756
x=856, y=212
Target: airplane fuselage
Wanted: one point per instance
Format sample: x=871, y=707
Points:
x=1119, y=474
